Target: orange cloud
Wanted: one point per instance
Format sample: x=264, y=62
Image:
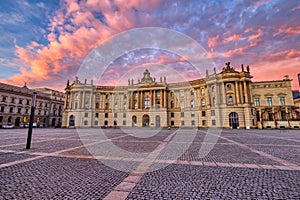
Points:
x=70, y=43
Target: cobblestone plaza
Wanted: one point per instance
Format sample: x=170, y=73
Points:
x=63, y=164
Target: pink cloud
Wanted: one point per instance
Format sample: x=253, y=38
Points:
x=69, y=44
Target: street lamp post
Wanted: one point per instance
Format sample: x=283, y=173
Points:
x=31, y=121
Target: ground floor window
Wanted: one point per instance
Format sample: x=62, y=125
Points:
x=213, y=122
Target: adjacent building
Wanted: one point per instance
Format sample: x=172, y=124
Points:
x=15, y=105
x=228, y=99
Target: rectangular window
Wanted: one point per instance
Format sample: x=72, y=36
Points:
x=192, y=114
x=86, y=114
x=2, y=109
x=269, y=101
x=213, y=122
x=193, y=123
x=256, y=101
x=96, y=123
x=158, y=94
x=115, y=115
x=105, y=123
x=203, y=122
x=213, y=113
x=182, y=123
x=11, y=109
x=124, y=115
x=282, y=101
x=106, y=115
x=172, y=114
x=85, y=122
x=26, y=111
x=203, y=113
x=182, y=114
x=96, y=115
x=97, y=96
x=19, y=110
x=124, y=123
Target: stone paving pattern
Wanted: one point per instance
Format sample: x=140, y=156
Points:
x=243, y=164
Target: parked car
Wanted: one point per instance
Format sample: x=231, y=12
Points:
x=34, y=125
x=8, y=126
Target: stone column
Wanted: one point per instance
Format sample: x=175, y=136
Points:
x=246, y=92
x=165, y=98
x=237, y=94
x=154, y=98
x=241, y=93
x=160, y=99
x=223, y=93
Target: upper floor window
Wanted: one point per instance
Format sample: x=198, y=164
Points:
x=97, y=96
x=269, y=101
x=116, y=106
x=3, y=99
x=158, y=94
x=192, y=92
x=212, y=88
x=97, y=105
x=12, y=100
x=282, y=101
x=203, y=102
x=214, y=101
x=192, y=103
x=202, y=91
x=147, y=102
x=229, y=87
x=256, y=101
x=230, y=100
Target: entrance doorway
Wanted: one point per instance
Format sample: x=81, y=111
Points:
x=233, y=120
x=17, y=121
x=157, y=121
x=53, y=122
x=146, y=120
x=72, y=120
x=134, y=120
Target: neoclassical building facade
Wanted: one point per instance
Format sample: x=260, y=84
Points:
x=15, y=105
x=228, y=99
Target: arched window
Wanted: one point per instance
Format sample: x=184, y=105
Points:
x=230, y=100
x=202, y=91
x=172, y=104
x=212, y=88
x=203, y=102
x=192, y=103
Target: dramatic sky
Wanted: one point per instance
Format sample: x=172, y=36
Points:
x=44, y=42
